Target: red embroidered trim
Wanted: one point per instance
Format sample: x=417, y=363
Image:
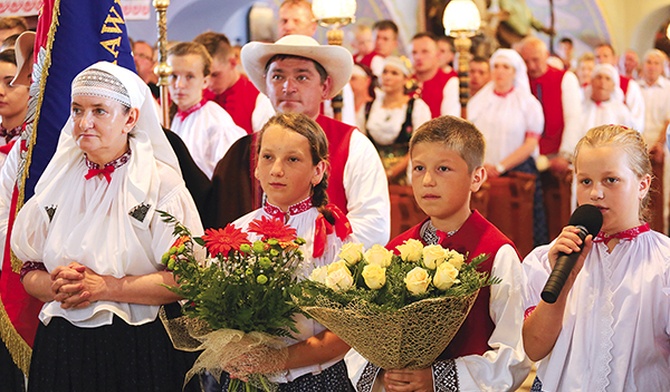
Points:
x=182, y=114
x=295, y=209
x=629, y=234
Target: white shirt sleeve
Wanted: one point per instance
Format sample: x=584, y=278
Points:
x=534, y=117
x=451, y=104
x=366, y=188
x=420, y=113
x=377, y=66
x=7, y=180
x=348, y=110
x=572, y=113
x=505, y=366
x=28, y=242
x=635, y=103
x=222, y=135
x=262, y=112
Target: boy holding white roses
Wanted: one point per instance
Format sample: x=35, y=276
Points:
x=487, y=353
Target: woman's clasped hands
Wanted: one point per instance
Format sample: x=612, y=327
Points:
x=75, y=286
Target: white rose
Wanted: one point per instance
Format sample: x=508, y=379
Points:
x=445, y=276
x=339, y=277
x=379, y=255
x=434, y=255
x=319, y=274
x=456, y=259
x=410, y=250
x=374, y=276
x=351, y=252
x=417, y=281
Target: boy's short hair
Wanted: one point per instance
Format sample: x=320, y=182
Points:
x=456, y=134
x=386, y=24
x=425, y=34
x=217, y=44
x=186, y=48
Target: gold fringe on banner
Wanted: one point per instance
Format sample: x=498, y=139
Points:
x=17, y=347
x=32, y=137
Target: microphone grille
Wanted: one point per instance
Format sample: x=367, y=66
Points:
x=588, y=216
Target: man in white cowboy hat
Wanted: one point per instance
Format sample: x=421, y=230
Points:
x=296, y=17
x=297, y=74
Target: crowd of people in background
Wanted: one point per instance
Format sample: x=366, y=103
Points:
x=258, y=123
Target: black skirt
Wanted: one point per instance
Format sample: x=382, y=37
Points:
x=116, y=357
x=11, y=377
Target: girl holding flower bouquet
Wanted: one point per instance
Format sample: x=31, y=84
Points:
x=293, y=171
x=609, y=328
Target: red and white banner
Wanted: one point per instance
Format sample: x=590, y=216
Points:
x=19, y=7
x=132, y=9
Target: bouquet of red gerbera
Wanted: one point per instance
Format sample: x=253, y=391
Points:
x=237, y=294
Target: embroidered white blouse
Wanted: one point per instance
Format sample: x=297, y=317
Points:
x=208, y=133
x=616, y=326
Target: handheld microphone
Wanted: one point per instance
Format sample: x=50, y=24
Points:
x=588, y=219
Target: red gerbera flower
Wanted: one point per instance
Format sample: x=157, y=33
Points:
x=273, y=228
x=224, y=240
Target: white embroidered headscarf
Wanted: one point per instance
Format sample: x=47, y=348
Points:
x=139, y=96
x=511, y=57
x=612, y=73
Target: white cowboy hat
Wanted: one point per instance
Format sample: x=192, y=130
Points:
x=24, y=58
x=336, y=60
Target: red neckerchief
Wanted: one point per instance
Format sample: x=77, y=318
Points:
x=7, y=147
x=10, y=134
x=182, y=114
x=503, y=95
x=341, y=227
x=94, y=169
x=629, y=234
x=295, y=209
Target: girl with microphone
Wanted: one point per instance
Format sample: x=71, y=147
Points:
x=609, y=328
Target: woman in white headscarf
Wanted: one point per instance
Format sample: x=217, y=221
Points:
x=92, y=241
x=604, y=100
x=394, y=115
x=512, y=121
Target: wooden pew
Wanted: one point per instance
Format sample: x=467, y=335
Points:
x=557, y=192
x=510, y=208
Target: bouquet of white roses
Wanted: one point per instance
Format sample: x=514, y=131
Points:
x=238, y=302
x=398, y=311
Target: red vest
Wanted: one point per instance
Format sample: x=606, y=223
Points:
x=476, y=236
x=547, y=89
x=239, y=101
x=623, y=82
x=339, y=136
x=367, y=59
x=432, y=91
